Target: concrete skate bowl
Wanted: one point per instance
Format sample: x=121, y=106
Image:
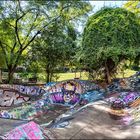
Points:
x=77, y=122
x=67, y=94
x=16, y=95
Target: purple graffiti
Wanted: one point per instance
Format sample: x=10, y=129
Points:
x=59, y=98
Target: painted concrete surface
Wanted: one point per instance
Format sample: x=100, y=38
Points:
x=9, y=124
x=95, y=123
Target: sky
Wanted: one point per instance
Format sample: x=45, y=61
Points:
x=99, y=4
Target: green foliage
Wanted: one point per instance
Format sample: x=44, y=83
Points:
x=110, y=36
x=53, y=48
x=21, y=22
x=133, y=6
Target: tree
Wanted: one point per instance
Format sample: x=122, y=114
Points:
x=54, y=48
x=22, y=21
x=111, y=35
x=134, y=6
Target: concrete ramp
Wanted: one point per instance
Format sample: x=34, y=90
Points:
x=94, y=122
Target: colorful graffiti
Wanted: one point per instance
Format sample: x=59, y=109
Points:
x=89, y=86
x=91, y=96
x=67, y=96
x=69, y=85
x=125, y=107
x=26, y=90
x=11, y=98
x=12, y=95
x=27, y=111
x=126, y=84
x=67, y=93
x=125, y=98
x=30, y=130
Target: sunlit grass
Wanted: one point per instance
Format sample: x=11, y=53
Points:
x=72, y=75
x=84, y=75
x=127, y=73
x=66, y=76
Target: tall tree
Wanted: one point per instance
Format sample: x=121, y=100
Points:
x=55, y=47
x=22, y=21
x=110, y=36
x=134, y=6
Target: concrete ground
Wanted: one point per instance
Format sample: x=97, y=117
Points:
x=93, y=122
x=8, y=124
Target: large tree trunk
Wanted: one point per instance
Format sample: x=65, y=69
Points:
x=47, y=76
x=10, y=76
x=107, y=74
x=51, y=76
x=0, y=76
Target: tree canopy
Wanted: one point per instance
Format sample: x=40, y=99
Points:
x=133, y=6
x=110, y=36
x=23, y=21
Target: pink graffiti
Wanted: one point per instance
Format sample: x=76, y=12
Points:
x=30, y=130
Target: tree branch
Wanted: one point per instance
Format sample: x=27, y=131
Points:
x=31, y=28
x=16, y=32
x=4, y=52
x=14, y=45
x=39, y=31
x=10, y=24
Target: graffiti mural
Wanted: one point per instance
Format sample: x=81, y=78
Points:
x=11, y=98
x=26, y=90
x=126, y=84
x=68, y=94
x=27, y=111
x=125, y=107
x=69, y=84
x=89, y=86
x=30, y=130
x=12, y=95
x=91, y=97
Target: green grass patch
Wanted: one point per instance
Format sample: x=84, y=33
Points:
x=66, y=76
x=127, y=73
x=84, y=75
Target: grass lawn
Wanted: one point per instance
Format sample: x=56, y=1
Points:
x=66, y=76
x=84, y=75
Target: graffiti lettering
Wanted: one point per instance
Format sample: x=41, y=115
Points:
x=11, y=97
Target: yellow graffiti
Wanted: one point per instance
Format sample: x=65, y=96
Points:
x=120, y=112
x=135, y=103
